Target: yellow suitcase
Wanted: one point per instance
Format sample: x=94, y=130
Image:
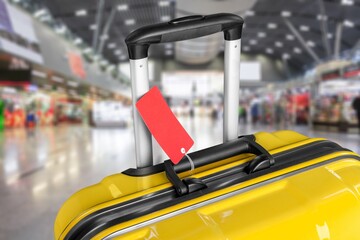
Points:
x=280, y=185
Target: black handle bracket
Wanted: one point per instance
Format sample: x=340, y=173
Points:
x=182, y=187
x=263, y=159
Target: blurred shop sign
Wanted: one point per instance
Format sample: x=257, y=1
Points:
x=76, y=65
x=17, y=63
x=17, y=35
x=250, y=71
x=192, y=83
x=352, y=71
x=9, y=77
x=333, y=74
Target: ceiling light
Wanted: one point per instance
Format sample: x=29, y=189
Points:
x=347, y=2
x=93, y=27
x=246, y=48
x=253, y=42
x=40, y=13
x=60, y=29
x=104, y=62
x=164, y=3
x=278, y=44
x=286, y=56
x=122, y=7
x=297, y=50
x=304, y=28
x=348, y=23
x=168, y=45
x=321, y=17
x=269, y=50
x=45, y=18
x=329, y=35
x=290, y=37
x=168, y=52
x=78, y=41
x=111, y=45
x=129, y=22
x=81, y=12
x=261, y=34
x=104, y=37
x=87, y=50
x=249, y=13
x=118, y=52
x=310, y=43
x=96, y=57
x=165, y=18
x=272, y=25
x=285, y=14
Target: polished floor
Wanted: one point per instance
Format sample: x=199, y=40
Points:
x=41, y=168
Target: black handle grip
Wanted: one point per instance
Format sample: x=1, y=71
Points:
x=138, y=41
x=244, y=144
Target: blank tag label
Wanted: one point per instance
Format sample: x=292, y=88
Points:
x=163, y=125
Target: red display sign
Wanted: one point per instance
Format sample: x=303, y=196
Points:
x=76, y=65
x=163, y=125
x=331, y=75
x=352, y=71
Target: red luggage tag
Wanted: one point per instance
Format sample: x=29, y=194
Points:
x=163, y=125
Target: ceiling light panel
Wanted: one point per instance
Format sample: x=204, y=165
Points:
x=297, y=50
x=286, y=14
x=111, y=45
x=261, y=34
x=122, y=7
x=165, y=18
x=129, y=22
x=78, y=41
x=349, y=23
x=81, y=12
x=290, y=37
x=347, y=2
x=253, y=42
x=249, y=13
x=164, y=3
x=279, y=44
x=272, y=25
x=304, y=28
x=269, y=50
x=310, y=43
x=286, y=56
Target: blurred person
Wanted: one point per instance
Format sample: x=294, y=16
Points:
x=356, y=107
x=280, y=113
x=242, y=113
x=254, y=112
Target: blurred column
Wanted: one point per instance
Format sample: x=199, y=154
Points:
x=338, y=36
x=324, y=27
x=301, y=40
x=99, y=12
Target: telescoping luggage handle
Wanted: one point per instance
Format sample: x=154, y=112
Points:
x=138, y=43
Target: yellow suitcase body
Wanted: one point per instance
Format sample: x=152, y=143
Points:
x=314, y=199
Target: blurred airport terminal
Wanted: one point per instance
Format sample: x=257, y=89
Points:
x=65, y=89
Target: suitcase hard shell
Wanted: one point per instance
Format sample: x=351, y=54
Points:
x=280, y=185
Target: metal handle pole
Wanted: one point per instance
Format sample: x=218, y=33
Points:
x=231, y=89
x=140, y=85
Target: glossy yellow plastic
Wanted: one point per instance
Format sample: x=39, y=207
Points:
x=316, y=204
